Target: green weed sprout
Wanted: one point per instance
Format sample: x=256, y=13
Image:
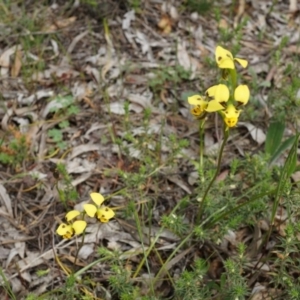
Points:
x=225, y=99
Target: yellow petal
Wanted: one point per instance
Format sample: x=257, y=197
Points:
x=90, y=209
x=79, y=226
x=213, y=106
x=231, y=115
x=224, y=58
x=242, y=94
x=211, y=91
x=64, y=229
x=222, y=53
x=72, y=214
x=195, y=100
x=97, y=198
x=222, y=93
x=242, y=62
x=226, y=64
x=218, y=92
x=104, y=214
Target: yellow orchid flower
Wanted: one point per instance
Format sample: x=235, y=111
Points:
x=199, y=105
x=231, y=115
x=220, y=94
x=242, y=94
x=68, y=230
x=225, y=59
x=103, y=213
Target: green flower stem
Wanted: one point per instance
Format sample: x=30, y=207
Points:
x=201, y=136
x=153, y=243
x=164, y=268
x=233, y=76
x=201, y=207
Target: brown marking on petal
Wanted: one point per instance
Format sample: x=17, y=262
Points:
x=220, y=58
x=196, y=110
x=228, y=55
x=231, y=121
x=68, y=234
x=106, y=209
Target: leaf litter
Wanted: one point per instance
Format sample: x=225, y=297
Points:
x=100, y=72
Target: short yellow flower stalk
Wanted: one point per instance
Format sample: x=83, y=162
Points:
x=68, y=230
x=103, y=213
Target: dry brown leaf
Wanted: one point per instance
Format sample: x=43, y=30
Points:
x=76, y=151
x=222, y=176
x=165, y=24
x=78, y=165
x=183, y=56
x=6, y=200
x=5, y=56
x=65, y=22
x=16, y=67
x=59, y=24
x=296, y=177
x=86, y=250
x=128, y=18
x=293, y=6
x=240, y=12
x=178, y=181
x=223, y=24
x=256, y=133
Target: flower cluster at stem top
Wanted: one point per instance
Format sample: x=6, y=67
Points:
x=101, y=212
x=218, y=98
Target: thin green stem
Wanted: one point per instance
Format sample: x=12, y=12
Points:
x=201, y=136
x=233, y=76
x=6, y=285
x=153, y=243
x=201, y=207
x=164, y=267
